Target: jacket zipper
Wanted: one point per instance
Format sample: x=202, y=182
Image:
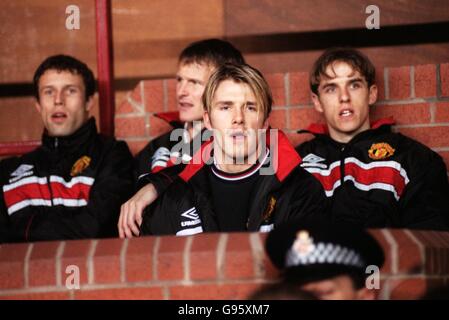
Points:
x=342, y=165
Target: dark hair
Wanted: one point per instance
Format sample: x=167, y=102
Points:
x=214, y=52
x=354, y=58
x=241, y=73
x=65, y=63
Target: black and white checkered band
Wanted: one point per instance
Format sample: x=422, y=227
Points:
x=324, y=253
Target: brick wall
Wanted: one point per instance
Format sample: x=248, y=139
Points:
x=206, y=266
x=416, y=96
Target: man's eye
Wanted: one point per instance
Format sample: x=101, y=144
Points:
x=47, y=92
x=356, y=85
x=329, y=90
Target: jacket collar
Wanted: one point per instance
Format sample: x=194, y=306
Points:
x=83, y=134
x=172, y=118
x=321, y=130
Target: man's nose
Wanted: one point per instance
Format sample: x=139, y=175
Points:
x=344, y=95
x=59, y=98
x=238, y=116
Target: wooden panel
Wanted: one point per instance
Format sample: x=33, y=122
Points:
x=243, y=17
x=149, y=35
x=33, y=30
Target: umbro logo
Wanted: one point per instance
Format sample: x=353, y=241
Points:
x=23, y=170
x=312, y=158
x=191, y=214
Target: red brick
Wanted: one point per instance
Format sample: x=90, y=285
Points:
x=271, y=271
x=408, y=289
x=203, y=256
x=38, y=296
x=409, y=257
x=296, y=138
x=171, y=95
x=136, y=146
x=12, y=262
x=238, y=258
x=445, y=155
x=75, y=253
x=130, y=127
x=139, y=259
x=418, y=113
x=425, y=81
x=120, y=97
x=107, y=261
x=239, y=291
x=278, y=119
x=299, y=88
x=442, y=112
x=432, y=137
x=170, y=258
x=277, y=86
x=124, y=107
x=152, y=293
x=444, y=76
x=301, y=118
x=42, y=264
x=154, y=95
x=436, y=251
x=388, y=264
x=399, y=83
x=136, y=94
x=158, y=127
x=380, y=83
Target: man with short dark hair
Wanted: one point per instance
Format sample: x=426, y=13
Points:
x=72, y=186
x=374, y=177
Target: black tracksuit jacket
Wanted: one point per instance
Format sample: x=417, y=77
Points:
x=69, y=188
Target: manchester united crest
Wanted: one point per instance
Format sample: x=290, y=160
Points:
x=79, y=166
x=269, y=210
x=379, y=151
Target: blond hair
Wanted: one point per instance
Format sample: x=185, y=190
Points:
x=241, y=73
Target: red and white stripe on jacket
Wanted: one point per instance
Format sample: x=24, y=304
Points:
x=383, y=175
x=41, y=191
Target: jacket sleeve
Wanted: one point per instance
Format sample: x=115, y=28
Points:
x=113, y=186
x=4, y=218
x=425, y=201
x=161, y=180
x=142, y=161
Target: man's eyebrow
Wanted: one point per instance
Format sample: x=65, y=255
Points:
x=189, y=78
x=228, y=102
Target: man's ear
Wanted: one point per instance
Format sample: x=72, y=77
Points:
x=316, y=103
x=90, y=103
x=206, y=120
x=265, y=124
x=37, y=105
x=372, y=94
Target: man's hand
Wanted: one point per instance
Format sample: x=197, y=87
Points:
x=131, y=211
